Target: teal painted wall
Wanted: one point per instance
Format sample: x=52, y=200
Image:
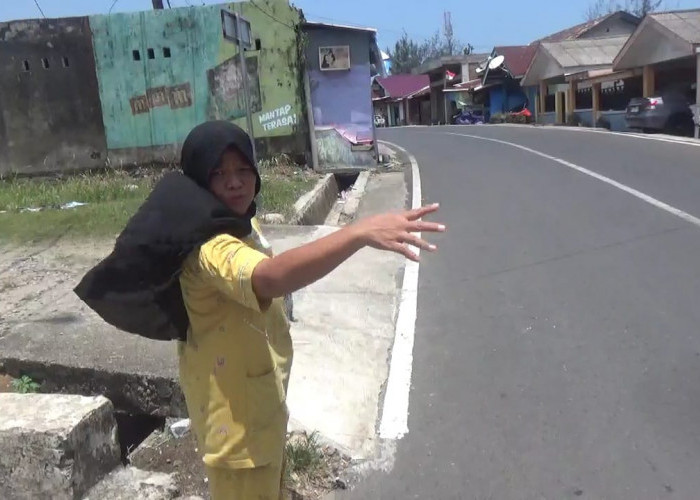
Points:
x=150, y=99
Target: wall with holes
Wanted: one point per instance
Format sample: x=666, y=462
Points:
x=162, y=72
x=50, y=116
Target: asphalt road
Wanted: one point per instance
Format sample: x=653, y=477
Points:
x=557, y=345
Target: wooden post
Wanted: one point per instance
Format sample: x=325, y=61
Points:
x=595, y=89
x=649, y=81
x=558, y=107
x=571, y=99
x=543, y=96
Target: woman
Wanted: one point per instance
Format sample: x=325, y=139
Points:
x=227, y=306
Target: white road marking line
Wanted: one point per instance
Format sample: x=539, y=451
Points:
x=644, y=197
x=394, y=422
x=687, y=141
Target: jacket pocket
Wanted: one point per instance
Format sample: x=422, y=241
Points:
x=265, y=398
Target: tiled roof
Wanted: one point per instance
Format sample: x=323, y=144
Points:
x=398, y=86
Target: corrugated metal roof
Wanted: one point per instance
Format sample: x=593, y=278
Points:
x=315, y=24
x=577, y=53
x=433, y=64
x=517, y=57
x=398, y=86
x=575, y=32
x=684, y=23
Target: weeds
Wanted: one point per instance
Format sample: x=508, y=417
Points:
x=25, y=385
x=304, y=455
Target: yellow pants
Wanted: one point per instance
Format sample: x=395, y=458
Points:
x=259, y=483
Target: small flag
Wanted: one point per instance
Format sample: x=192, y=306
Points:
x=450, y=75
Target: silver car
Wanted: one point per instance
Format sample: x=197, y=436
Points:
x=670, y=112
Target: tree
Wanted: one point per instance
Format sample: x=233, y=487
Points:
x=639, y=8
x=406, y=55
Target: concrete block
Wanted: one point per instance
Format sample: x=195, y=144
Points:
x=55, y=446
x=313, y=207
x=130, y=483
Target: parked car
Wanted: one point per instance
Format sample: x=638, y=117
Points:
x=379, y=121
x=669, y=112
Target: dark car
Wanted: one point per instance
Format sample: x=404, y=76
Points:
x=669, y=112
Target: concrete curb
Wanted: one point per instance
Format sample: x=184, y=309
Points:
x=395, y=406
x=342, y=214
x=313, y=207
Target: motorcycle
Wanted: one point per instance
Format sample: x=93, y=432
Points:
x=467, y=117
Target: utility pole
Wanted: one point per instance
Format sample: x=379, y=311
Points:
x=157, y=4
x=449, y=34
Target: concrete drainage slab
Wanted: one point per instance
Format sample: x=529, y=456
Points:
x=55, y=446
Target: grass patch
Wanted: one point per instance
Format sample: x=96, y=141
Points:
x=50, y=193
x=311, y=469
x=112, y=198
x=304, y=459
x=281, y=188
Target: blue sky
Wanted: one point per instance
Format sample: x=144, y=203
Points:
x=481, y=23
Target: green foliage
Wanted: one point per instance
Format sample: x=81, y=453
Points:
x=25, y=385
x=406, y=55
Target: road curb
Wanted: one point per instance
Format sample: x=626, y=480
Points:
x=393, y=423
x=313, y=207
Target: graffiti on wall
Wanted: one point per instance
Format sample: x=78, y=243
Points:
x=280, y=117
x=175, y=96
x=227, y=98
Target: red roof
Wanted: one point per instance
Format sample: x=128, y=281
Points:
x=517, y=57
x=398, y=86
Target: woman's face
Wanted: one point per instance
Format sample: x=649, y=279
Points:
x=233, y=182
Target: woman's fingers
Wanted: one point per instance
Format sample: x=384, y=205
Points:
x=403, y=249
x=423, y=226
x=414, y=240
x=418, y=213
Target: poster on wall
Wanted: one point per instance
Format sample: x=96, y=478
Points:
x=334, y=58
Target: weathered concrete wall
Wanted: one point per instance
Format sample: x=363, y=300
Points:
x=55, y=446
x=163, y=72
x=51, y=118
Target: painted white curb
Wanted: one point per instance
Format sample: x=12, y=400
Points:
x=394, y=422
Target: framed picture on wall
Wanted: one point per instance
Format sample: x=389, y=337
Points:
x=334, y=58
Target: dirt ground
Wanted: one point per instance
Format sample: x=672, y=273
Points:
x=164, y=453
x=37, y=282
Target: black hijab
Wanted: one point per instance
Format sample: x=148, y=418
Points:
x=137, y=287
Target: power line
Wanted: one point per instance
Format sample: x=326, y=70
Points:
x=36, y=2
x=111, y=7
